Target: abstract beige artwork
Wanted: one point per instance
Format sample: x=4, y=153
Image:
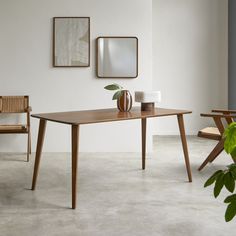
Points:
x=71, y=41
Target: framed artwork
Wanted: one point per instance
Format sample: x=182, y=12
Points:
x=71, y=41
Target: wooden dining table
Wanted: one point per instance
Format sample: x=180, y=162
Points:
x=77, y=118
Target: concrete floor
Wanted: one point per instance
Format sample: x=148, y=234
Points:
x=115, y=197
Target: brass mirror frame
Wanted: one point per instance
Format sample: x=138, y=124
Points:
x=117, y=37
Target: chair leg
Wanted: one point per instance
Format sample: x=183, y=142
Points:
x=213, y=159
x=28, y=146
x=234, y=159
x=214, y=153
x=29, y=142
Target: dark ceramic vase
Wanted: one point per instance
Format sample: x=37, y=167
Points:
x=124, y=102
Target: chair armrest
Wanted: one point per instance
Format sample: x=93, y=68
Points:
x=224, y=111
x=213, y=115
x=29, y=109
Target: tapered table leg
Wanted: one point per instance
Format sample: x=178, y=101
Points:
x=144, y=125
x=41, y=133
x=75, y=149
x=184, y=144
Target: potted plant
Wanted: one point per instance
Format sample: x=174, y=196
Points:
x=123, y=97
x=227, y=178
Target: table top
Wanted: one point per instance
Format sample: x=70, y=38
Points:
x=106, y=115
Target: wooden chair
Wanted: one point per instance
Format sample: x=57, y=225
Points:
x=16, y=104
x=216, y=133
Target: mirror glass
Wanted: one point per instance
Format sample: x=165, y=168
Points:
x=117, y=57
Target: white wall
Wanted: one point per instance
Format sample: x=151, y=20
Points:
x=189, y=64
x=26, y=68
x=190, y=58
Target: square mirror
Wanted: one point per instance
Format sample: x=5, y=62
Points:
x=117, y=57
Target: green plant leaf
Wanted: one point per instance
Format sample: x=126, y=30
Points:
x=232, y=170
x=229, y=182
x=232, y=166
x=230, y=127
x=230, y=138
x=227, y=130
x=113, y=87
x=230, y=211
x=117, y=95
x=212, y=179
x=219, y=184
x=233, y=153
x=230, y=198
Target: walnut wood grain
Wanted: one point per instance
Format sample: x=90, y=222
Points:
x=74, y=150
x=76, y=118
x=214, y=153
x=184, y=144
x=106, y=115
x=41, y=133
x=144, y=125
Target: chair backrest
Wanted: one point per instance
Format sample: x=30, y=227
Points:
x=14, y=104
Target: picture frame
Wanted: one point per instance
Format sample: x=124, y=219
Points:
x=71, y=41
